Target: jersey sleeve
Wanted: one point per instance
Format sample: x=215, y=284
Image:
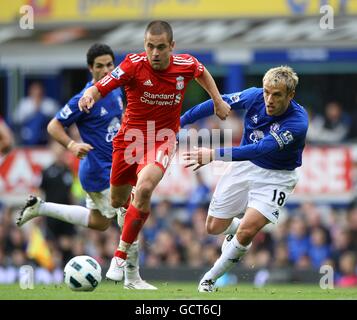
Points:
x=249, y=151
x=120, y=76
x=238, y=100
x=276, y=140
x=290, y=133
x=70, y=113
x=198, y=68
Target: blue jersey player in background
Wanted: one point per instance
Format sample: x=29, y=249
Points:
x=261, y=174
x=97, y=130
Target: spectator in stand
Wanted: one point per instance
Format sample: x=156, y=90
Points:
x=341, y=243
x=347, y=266
x=200, y=196
x=319, y=250
x=352, y=134
x=352, y=225
x=331, y=128
x=33, y=114
x=6, y=138
x=297, y=239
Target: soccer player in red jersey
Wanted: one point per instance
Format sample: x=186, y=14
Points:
x=155, y=82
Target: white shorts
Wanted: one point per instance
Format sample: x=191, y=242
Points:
x=101, y=201
x=244, y=185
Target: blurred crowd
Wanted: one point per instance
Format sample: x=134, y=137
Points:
x=305, y=238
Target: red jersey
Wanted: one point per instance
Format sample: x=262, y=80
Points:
x=152, y=95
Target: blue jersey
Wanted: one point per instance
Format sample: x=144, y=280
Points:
x=270, y=142
x=97, y=128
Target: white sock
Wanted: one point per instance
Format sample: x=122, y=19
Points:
x=229, y=257
x=132, y=263
x=233, y=227
x=120, y=217
x=77, y=215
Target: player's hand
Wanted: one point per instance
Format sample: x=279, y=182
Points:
x=198, y=157
x=222, y=109
x=85, y=103
x=80, y=150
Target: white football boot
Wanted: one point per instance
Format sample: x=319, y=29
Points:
x=207, y=285
x=29, y=211
x=138, y=284
x=116, y=269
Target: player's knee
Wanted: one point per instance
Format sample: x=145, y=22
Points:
x=117, y=202
x=101, y=224
x=213, y=228
x=245, y=235
x=144, y=191
x=102, y=227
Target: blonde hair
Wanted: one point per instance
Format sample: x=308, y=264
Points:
x=282, y=74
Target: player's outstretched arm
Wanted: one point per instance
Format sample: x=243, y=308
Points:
x=198, y=157
x=221, y=108
x=57, y=132
x=89, y=98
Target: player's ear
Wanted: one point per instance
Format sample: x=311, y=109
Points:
x=291, y=95
x=172, y=45
x=90, y=68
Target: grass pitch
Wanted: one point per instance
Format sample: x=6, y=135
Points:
x=178, y=291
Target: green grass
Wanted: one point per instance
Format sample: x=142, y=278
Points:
x=179, y=290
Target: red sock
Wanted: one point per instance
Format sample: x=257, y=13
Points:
x=133, y=222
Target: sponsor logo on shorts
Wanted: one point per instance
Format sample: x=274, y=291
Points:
x=276, y=214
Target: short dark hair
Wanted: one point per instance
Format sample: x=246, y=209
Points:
x=97, y=50
x=158, y=27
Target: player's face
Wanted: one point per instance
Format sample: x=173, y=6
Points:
x=101, y=66
x=276, y=99
x=158, y=49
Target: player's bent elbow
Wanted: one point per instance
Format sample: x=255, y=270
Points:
x=51, y=127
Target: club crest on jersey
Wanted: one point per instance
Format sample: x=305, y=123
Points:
x=180, y=83
x=236, y=97
x=117, y=72
x=256, y=135
x=286, y=137
x=65, y=112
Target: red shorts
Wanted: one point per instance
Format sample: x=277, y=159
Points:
x=130, y=158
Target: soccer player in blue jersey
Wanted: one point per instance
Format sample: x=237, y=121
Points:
x=97, y=130
x=261, y=175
